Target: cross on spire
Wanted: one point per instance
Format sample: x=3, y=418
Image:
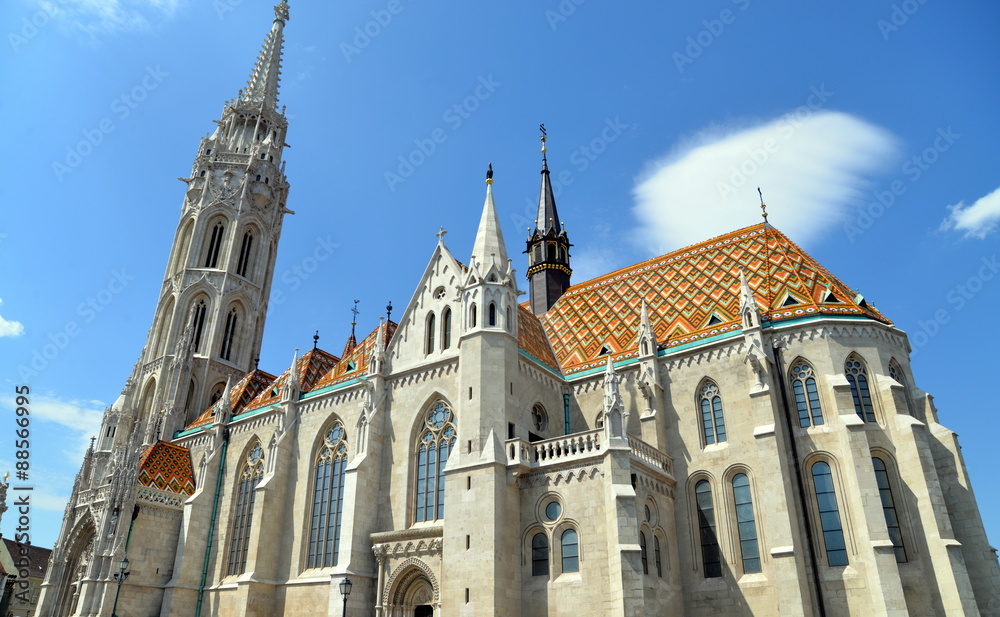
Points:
x=315, y=340
x=388, y=307
x=354, y=322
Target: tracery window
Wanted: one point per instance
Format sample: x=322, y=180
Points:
x=539, y=555
x=328, y=498
x=829, y=514
x=712, y=421
x=857, y=376
x=889, y=509
x=745, y=524
x=244, y=261
x=570, y=551
x=806, y=395
x=198, y=323
x=539, y=419
x=229, y=333
x=215, y=245
x=710, y=556
x=251, y=472
x=434, y=444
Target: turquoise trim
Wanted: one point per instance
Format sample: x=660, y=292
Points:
x=541, y=364
x=334, y=387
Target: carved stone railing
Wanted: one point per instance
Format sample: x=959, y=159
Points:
x=555, y=450
x=232, y=157
x=650, y=455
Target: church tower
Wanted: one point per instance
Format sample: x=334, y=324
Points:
x=548, y=248
x=209, y=319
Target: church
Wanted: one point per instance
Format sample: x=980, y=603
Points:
x=725, y=430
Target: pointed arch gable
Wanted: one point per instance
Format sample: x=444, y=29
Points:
x=402, y=578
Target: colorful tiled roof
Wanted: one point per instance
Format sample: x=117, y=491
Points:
x=355, y=360
x=252, y=384
x=167, y=467
x=693, y=294
x=312, y=366
x=531, y=338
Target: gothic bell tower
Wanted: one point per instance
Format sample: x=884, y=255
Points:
x=548, y=248
x=209, y=319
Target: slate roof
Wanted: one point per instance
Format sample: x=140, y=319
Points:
x=694, y=294
x=38, y=557
x=167, y=467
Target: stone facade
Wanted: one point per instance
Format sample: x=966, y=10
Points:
x=725, y=430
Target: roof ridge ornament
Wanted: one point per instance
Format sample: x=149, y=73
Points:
x=763, y=206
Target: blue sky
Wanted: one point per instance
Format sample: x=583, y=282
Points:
x=870, y=126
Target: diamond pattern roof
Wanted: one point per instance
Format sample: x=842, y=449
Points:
x=531, y=338
x=252, y=384
x=167, y=467
x=693, y=294
x=355, y=361
x=311, y=367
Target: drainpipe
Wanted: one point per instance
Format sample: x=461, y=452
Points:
x=211, y=525
x=780, y=377
x=566, y=413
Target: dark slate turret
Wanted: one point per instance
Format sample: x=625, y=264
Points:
x=548, y=248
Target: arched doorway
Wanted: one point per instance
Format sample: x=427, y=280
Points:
x=424, y=610
x=412, y=592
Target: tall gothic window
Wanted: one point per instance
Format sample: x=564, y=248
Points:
x=806, y=395
x=829, y=514
x=540, y=555
x=712, y=422
x=889, y=509
x=433, y=447
x=710, y=556
x=643, y=556
x=570, y=551
x=198, y=323
x=215, y=245
x=857, y=376
x=328, y=499
x=472, y=316
x=228, y=335
x=745, y=524
x=446, y=330
x=492, y=315
x=251, y=472
x=244, y=262
x=656, y=555
x=430, y=333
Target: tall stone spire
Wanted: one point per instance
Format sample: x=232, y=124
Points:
x=262, y=88
x=548, y=247
x=489, y=248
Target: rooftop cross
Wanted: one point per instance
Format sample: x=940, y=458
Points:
x=354, y=322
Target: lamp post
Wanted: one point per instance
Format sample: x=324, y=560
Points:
x=345, y=590
x=120, y=577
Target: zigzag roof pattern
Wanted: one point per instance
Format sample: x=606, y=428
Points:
x=694, y=294
x=355, y=361
x=252, y=384
x=531, y=338
x=167, y=467
x=311, y=367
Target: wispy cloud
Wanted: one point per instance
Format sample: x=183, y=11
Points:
x=80, y=417
x=9, y=327
x=978, y=220
x=97, y=17
x=812, y=167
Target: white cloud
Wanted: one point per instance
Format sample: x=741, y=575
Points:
x=811, y=167
x=82, y=417
x=978, y=220
x=97, y=17
x=9, y=327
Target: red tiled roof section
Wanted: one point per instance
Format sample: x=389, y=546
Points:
x=694, y=293
x=38, y=557
x=355, y=362
x=531, y=338
x=311, y=368
x=167, y=467
x=252, y=384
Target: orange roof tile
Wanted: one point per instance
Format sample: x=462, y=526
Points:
x=167, y=467
x=252, y=384
x=355, y=361
x=311, y=368
x=531, y=338
x=694, y=293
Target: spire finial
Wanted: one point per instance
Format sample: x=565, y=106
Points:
x=489, y=174
x=763, y=206
x=262, y=88
x=440, y=235
x=256, y=362
x=545, y=136
x=354, y=322
x=388, y=310
x=315, y=340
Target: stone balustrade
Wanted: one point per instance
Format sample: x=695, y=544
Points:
x=650, y=455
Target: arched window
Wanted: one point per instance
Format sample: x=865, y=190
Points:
x=712, y=422
x=433, y=447
x=857, y=376
x=216, y=393
x=745, y=524
x=570, y=551
x=179, y=258
x=889, y=509
x=215, y=245
x=829, y=515
x=642, y=553
x=539, y=555
x=806, y=394
x=710, y=556
x=656, y=555
x=251, y=472
x=492, y=315
x=198, y=323
x=896, y=372
x=163, y=332
x=244, y=262
x=472, y=316
x=430, y=333
x=328, y=499
x=228, y=334
x=446, y=330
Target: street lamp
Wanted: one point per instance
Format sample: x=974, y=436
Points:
x=345, y=590
x=120, y=577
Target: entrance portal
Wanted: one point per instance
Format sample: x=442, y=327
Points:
x=424, y=611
